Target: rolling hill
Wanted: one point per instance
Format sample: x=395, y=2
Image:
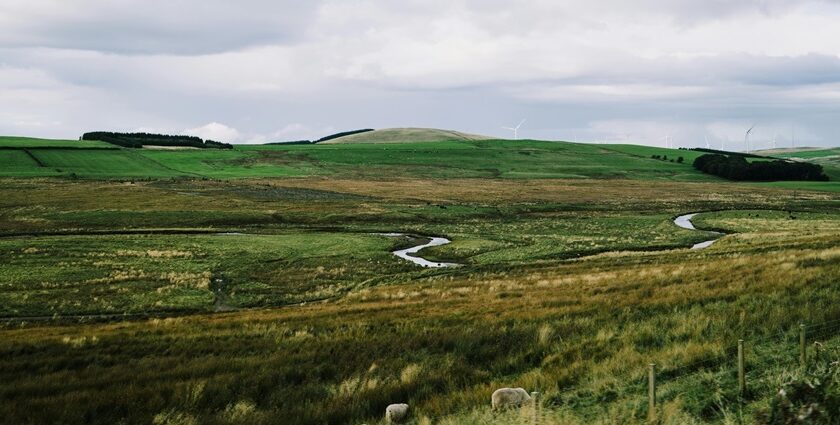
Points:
x=453, y=158
x=406, y=135
x=521, y=159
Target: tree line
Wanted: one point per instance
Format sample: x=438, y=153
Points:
x=744, y=154
x=342, y=134
x=323, y=139
x=736, y=167
x=138, y=140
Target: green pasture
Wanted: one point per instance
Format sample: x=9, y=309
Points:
x=454, y=159
x=101, y=164
x=32, y=142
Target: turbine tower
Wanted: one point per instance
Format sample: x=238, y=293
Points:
x=706, y=137
x=667, y=140
x=515, y=129
x=747, y=137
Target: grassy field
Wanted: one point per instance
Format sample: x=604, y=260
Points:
x=453, y=159
x=145, y=291
x=10, y=142
x=101, y=163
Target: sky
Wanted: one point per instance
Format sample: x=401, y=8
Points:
x=683, y=72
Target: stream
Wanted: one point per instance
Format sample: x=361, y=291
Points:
x=406, y=254
x=684, y=221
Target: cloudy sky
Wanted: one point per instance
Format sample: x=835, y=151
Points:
x=260, y=70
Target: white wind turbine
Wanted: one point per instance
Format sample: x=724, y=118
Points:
x=706, y=137
x=515, y=129
x=667, y=140
x=747, y=137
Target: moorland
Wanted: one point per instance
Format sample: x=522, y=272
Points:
x=254, y=285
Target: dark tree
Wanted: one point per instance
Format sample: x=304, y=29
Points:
x=736, y=167
x=342, y=134
x=138, y=140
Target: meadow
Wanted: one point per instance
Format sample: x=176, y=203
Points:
x=448, y=159
x=252, y=286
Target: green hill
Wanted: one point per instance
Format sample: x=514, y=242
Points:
x=505, y=159
x=406, y=135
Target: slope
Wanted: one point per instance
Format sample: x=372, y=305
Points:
x=406, y=135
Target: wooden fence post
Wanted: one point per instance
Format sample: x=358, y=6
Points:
x=742, y=380
x=535, y=399
x=652, y=393
x=802, y=356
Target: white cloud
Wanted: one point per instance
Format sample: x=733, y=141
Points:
x=214, y=131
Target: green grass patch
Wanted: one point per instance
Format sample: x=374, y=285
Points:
x=31, y=142
x=21, y=163
x=228, y=164
x=101, y=164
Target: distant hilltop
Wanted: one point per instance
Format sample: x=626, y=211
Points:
x=392, y=135
x=406, y=135
x=777, y=151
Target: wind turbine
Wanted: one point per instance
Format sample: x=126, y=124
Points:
x=667, y=139
x=747, y=137
x=515, y=129
x=706, y=137
x=774, y=141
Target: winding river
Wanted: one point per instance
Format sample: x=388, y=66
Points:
x=406, y=254
x=684, y=221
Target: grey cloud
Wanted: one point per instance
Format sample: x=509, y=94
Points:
x=152, y=27
x=750, y=69
x=577, y=69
